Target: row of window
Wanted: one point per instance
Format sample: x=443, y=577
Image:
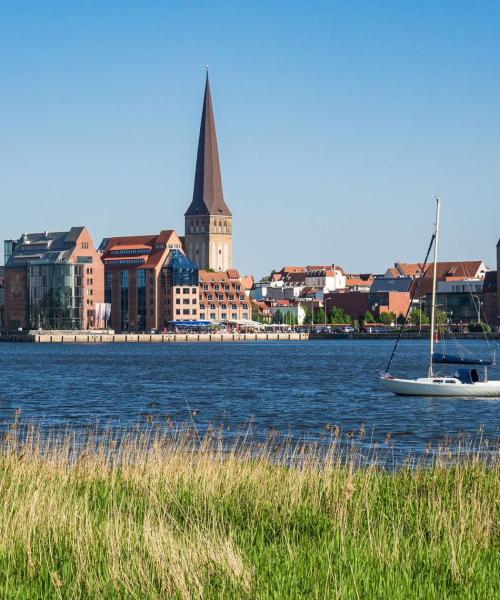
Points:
x=186, y=290
x=185, y=311
x=221, y=297
x=186, y=301
x=224, y=307
x=225, y=287
x=223, y=316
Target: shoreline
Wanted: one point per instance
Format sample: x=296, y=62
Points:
x=120, y=338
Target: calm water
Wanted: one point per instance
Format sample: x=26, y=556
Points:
x=296, y=387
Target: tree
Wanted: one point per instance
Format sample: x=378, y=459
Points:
x=339, y=316
x=319, y=316
x=278, y=317
x=368, y=317
x=401, y=318
x=417, y=317
x=307, y=315
x=387, y=318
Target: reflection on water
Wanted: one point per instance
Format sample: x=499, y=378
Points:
x=308, y=390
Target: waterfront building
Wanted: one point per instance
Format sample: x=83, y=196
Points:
x=354, y=303
x=149, y=282
x=223, y=297
x=208, y=239
x=52, y=280
x=489, y=298
x=1, y=298
x=446, y=271
x=289, y=312
x=498, y=285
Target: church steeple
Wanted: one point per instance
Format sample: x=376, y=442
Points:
x=208, y=239
x=208, y=197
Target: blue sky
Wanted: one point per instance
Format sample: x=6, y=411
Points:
x=337, y=123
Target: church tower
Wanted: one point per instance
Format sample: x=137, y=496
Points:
x=208, y=220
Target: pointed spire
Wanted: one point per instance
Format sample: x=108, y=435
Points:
x=208, y=197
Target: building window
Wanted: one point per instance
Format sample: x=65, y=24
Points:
x=212, y=307
x=221, y=297
x=193, y=311
x=177, y=300
x=231, y=296
x=124, y=316
x=177, y=290
x=194, y=290
x=202, y=315
x=185, y=311
x=242, y=297
x=223, y=316
x=108, y=286
x=177, y=311
x=235, y=315
x=223, y=307
x=213, y=316
x=185, y=301
x=141, y=299
x=205, y=286
x=210, y=297
x=185, y=290
x=216, y=288
x=234, y=307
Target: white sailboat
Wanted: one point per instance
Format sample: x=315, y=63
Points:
x=465, y=382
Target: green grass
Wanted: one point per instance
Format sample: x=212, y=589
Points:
x=161, y=516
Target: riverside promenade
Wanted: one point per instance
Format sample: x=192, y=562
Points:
x=97, y=338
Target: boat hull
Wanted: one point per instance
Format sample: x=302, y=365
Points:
x=429, y=387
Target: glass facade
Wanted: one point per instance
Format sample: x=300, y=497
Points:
x=55, y=296
x=124, y=317
x=180, y=270
x=108, y=286
x=141, y=299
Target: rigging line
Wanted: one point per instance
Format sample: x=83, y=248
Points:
x=414, y=293
x=477, y=307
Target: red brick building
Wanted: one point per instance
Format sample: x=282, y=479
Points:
x=149, y=282
x=53, y=280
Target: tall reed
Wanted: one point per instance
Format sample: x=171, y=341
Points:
x=155, y=513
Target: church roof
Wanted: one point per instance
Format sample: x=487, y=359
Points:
x=208, y=198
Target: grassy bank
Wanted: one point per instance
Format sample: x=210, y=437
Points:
x=155, y=516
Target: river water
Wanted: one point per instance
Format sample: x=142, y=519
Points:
x=304, y=389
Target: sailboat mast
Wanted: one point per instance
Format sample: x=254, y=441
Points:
x=434, y=276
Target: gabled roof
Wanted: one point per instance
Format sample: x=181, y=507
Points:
x=208, y=198
x=148, y=250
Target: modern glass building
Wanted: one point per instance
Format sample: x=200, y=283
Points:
x=179, y=270
x=55, y=296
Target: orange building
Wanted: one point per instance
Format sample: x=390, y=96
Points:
x=149, y=282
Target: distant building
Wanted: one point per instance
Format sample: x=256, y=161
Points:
x=2, y=298
x=355, y=304
x=359, y=282
x=489, y=297
x=290, y=312
x=223, y=297
x=208, y=239
x=467, y=269
x=52, y=280
x=149, y=281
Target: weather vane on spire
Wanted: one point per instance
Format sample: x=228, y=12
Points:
x=206, y=67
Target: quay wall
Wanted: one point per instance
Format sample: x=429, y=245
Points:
x=97, y=338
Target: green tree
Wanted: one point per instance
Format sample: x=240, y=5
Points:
x=368, y=317
x=417, y=317
x=339, y=316
x=319, y=316
x=387, y=318
x=278, y=317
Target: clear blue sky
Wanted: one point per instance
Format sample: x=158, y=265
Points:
x=337, y=122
